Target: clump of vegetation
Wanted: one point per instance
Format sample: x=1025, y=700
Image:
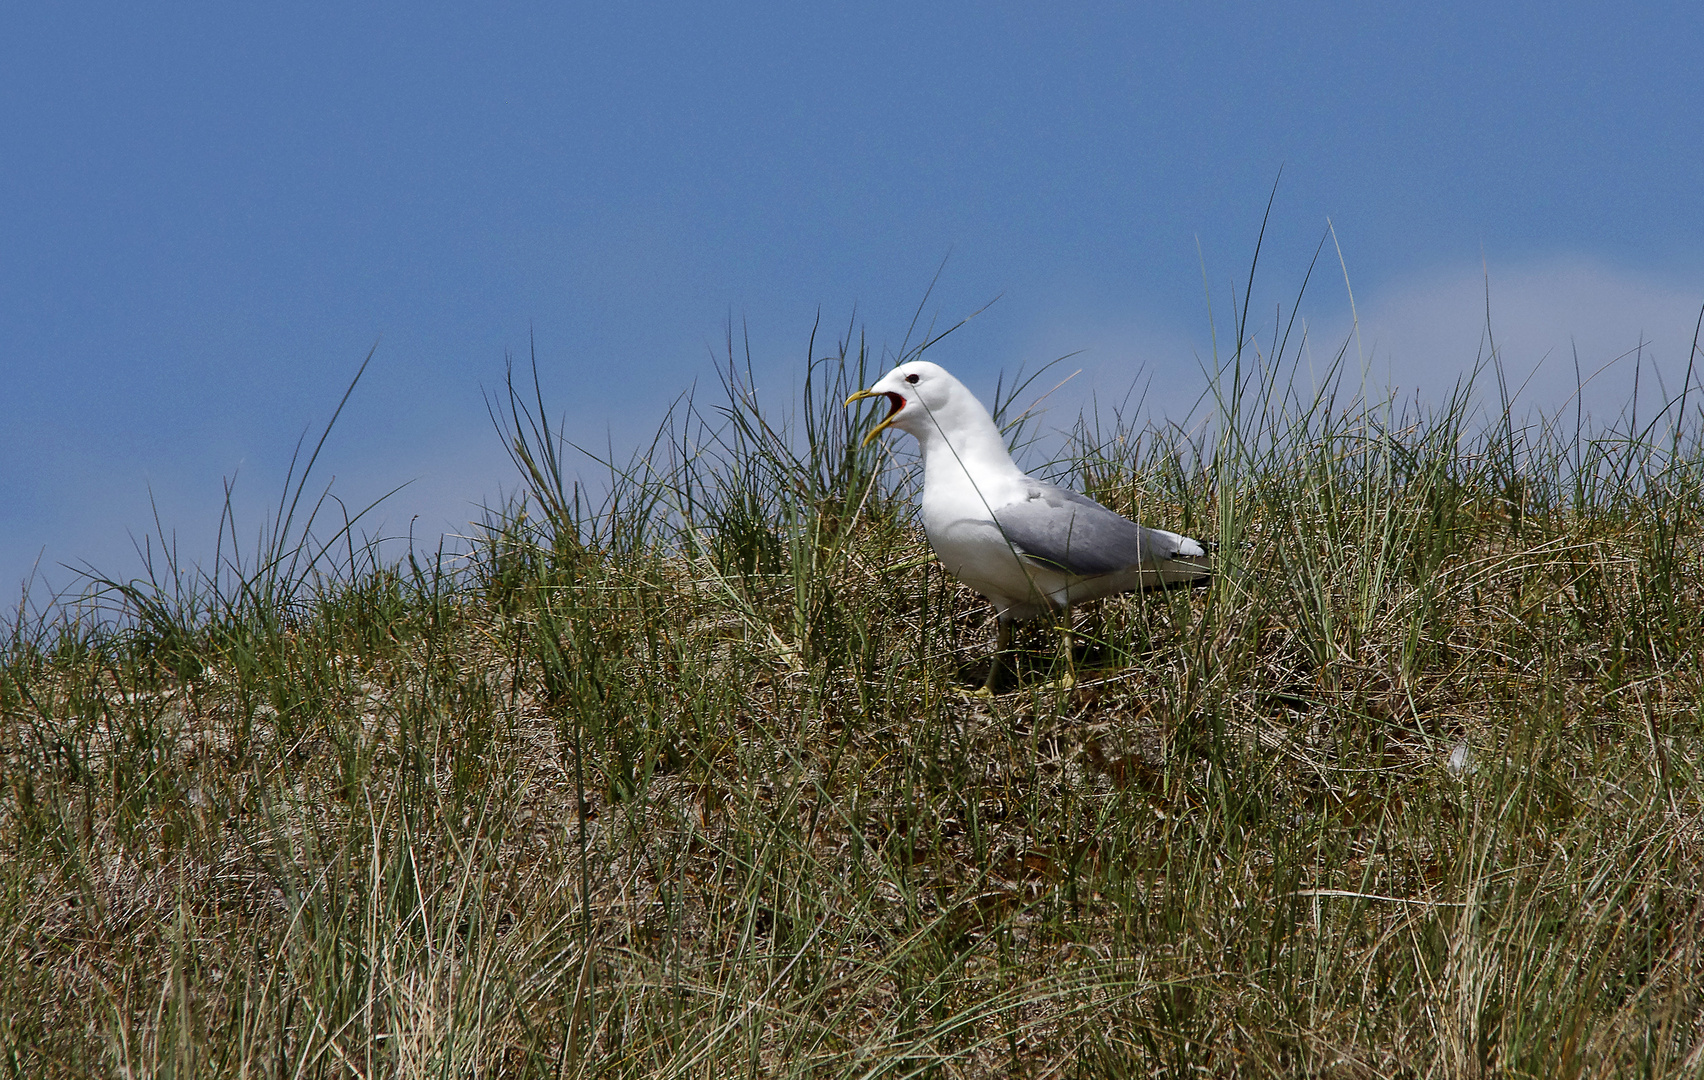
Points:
x=681, y=781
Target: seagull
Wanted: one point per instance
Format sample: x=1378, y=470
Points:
x=1031, y=547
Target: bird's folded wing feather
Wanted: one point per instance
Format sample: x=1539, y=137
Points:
x=1067, y=531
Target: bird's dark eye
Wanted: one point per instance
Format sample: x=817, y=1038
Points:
x=911, y=378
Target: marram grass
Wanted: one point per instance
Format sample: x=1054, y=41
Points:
x=683, y=783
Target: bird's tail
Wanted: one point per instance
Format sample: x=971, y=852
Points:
x=1184, y=569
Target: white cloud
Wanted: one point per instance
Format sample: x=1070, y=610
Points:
x=1418, y=336
x=443, y=481
x=1423, y=333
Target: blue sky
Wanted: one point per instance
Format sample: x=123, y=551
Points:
x=210, y=213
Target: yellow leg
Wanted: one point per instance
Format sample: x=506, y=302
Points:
x=1069, y=679
x=1002, y=644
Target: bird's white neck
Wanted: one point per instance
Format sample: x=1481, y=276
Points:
x=975, y=448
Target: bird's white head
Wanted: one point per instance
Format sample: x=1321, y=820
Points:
x=921, y=397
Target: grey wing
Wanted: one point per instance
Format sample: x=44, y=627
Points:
x=1073, y=533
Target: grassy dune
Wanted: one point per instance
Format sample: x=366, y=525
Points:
x=683, y=782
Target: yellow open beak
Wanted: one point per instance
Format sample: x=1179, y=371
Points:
x=879, y=428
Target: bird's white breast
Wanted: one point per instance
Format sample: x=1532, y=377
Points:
x=959, y=521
